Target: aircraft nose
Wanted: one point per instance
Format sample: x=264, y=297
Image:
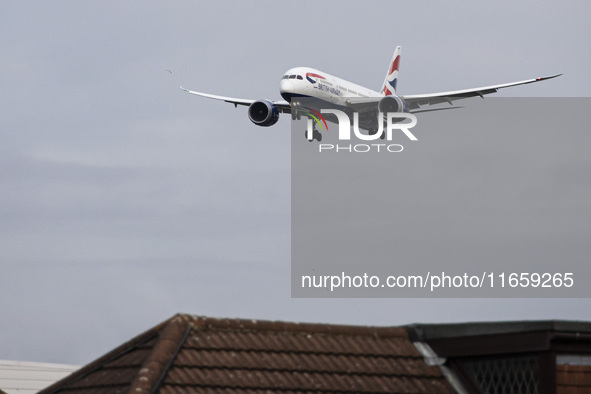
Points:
x=286, y=86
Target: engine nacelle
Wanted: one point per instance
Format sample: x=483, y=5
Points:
x=392, y=104
x=263, y=113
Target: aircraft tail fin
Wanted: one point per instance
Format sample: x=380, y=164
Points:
x=389, y=86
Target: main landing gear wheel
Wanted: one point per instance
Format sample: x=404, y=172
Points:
x=315, y=135
x=374, y=132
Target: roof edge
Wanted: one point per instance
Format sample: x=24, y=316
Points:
x=154, y=369
x=92, y=366
x=426, y=332
x=206, y=323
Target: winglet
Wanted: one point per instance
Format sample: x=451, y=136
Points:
x=550, y=77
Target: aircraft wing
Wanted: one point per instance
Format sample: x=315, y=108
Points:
x=283, y=106
x=417, y=100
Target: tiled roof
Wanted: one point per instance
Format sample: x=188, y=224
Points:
x=189, y=354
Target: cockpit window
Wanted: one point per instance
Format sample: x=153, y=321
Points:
x=292, y=77
x=285, y=77
x=300, y=77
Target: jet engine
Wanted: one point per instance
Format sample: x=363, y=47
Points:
x=392, y=104
x=263, y=113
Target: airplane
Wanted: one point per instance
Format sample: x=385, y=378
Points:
x=334, y=92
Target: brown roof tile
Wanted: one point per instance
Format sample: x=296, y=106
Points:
x=189, y=354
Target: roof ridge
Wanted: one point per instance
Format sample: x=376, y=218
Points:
x=155, y=367
x=202, y=323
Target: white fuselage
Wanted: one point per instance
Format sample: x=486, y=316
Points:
x=309, y=82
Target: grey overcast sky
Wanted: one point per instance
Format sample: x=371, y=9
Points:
x=125, y=200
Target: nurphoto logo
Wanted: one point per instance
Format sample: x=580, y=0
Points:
x=385, y=126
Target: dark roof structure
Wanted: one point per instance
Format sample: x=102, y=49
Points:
x=189, y=354
x=540, y=357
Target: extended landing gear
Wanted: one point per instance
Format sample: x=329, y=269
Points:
x=315, y=135
x=374, y=132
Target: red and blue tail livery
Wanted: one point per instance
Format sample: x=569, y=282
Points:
x=389, y=86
